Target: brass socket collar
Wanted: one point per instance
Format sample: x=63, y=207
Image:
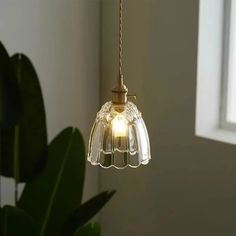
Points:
x=119, y=93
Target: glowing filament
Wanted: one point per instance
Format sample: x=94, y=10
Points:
x=119, y=126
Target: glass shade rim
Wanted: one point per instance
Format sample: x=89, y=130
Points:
x=142, y=163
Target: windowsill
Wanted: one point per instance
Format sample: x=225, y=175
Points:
x=218, y=134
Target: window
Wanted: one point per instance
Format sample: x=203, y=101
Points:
x=216, y=71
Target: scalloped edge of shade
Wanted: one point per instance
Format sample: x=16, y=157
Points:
x=144, y=163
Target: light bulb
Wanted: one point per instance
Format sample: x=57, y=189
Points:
x=119, y=126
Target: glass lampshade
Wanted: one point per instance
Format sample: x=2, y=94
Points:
x=119, y=137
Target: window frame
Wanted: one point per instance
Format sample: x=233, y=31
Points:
x=224, y=122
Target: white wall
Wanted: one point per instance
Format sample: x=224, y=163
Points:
x=62, y=39
x=189, y=187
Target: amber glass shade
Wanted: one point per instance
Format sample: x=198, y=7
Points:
x=119, y=137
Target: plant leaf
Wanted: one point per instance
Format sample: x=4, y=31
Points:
x=87, y=211
x=10, y=107
x=58, y=190
x=89, y=230
x=32, y=133
x=14, y=221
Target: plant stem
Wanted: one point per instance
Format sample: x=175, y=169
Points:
x=0, y=168
x=0, y=191
x=16, y=162
x=16, y=146
x=16, y=192
x=5, y=223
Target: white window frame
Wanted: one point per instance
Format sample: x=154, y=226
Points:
x=227, y=80
x=212, y=72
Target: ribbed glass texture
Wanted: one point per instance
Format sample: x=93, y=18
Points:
x=119, y=137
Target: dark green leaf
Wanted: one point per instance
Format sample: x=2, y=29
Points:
x=52, y=197
x=23, y=145
x=9, y=92
x=14, y=221
x=89, y=230
x=86, y=211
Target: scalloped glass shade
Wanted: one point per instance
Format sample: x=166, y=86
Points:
x=119, y=139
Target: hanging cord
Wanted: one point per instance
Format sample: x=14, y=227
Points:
x=119, y=93
x=120, y=41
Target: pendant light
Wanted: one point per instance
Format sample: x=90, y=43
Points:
x=119, y=137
